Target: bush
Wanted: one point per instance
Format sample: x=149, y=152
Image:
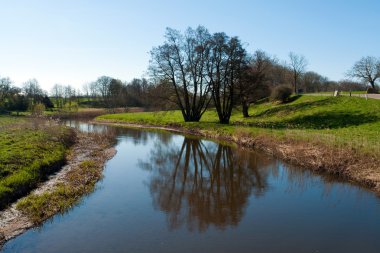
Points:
x=371, y=90
x=38, y=110
x=281, y=93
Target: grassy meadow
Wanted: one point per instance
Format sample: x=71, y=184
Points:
x=341, y=122
x=30, y=149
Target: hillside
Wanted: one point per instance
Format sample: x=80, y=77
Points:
x=347, y=122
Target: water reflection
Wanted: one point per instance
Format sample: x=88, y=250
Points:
x=90, y=128
x=136, y=135
x=231, y=200
x=200, y=183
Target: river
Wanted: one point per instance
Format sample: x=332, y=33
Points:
x=165, y=192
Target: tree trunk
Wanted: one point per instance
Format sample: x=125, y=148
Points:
x=373, y=84
x=191, y=119
x=188, y=117
x=224, y=120
x=245, y=107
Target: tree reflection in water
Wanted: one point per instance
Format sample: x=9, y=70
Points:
x=203, y=183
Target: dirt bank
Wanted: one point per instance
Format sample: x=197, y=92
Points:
x=345, y=163
x=89, y=147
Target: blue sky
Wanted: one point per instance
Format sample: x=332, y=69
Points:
x=75, y=41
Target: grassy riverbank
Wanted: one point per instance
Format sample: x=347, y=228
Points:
x=35, y=149
x=340, y=135
x=84, y=169
x=30, y=149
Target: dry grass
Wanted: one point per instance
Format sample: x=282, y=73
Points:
x=318, y=152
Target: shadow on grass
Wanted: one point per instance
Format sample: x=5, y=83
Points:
x=322, y=121
x=333, y=120
x=289, y=108
x=292, y=99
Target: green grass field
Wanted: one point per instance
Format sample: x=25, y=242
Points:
x=29, y=150
x=344, y=122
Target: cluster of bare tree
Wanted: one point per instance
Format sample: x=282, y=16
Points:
x=110, y=92
x=203, y=69
x=65, y=96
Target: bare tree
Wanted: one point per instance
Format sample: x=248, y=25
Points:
x=86, y=90
x=102, y=85
x=297, y=65
x=367, y=69
x=279, y=73
x=225, y=67
x=93, y=90
x=58, y=93
x=33, y=91
x=253, y=83
x=349, y=85
x=161, y=95
x=182, y=61
x=135, y=92
x=5, y=88
x=117, y=94
x=313, y=82
x=8, y=94
x=69, y=93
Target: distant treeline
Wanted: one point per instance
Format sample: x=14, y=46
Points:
x=190, y=71
x=108, y=92
x=13, y=98
x=105, y=92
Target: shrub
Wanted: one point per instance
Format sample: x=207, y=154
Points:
x=38, y=109
x=281, y=93
x=371, y=90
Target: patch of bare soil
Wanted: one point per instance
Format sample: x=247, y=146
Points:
x=91, y=147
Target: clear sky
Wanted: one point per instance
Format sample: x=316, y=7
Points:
x=75, y=41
